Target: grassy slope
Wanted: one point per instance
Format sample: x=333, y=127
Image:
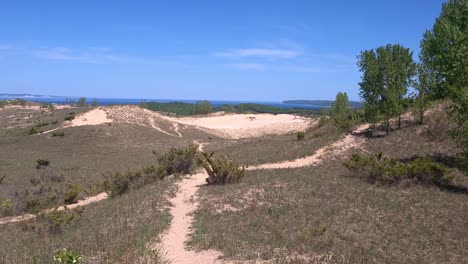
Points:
x=319, y=211
x=117, y=230
x=275, y=148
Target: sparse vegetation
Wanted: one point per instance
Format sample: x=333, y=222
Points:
x=379, y=169
x=58, y=134
x=33, y=131
x=69, y=117
x=221, y=170
x=72, y=194
x=67, y=256
x=300, y=135
x=41, y=163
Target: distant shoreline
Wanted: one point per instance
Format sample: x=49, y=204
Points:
x=130, y=101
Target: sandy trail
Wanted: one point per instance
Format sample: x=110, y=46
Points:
x=84, y=202
x=333, y=150
x=184, y=203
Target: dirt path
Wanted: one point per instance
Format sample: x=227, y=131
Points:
x=184, y=204
x=330, y=151
x=86, y=201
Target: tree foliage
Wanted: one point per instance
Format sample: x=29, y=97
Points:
x=387, y=71
x=444, y=50
x=341, y=111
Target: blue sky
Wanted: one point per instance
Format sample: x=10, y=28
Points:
x=227, y=50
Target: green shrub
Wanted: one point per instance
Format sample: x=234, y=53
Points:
x=58, y=134
x=54, y=122
x=42, y=163
x=58, y=219
x=179, y=161
x=323, y=120
x=116, y=184
x=33, y=205
x=376, y=168
x=72, y=194
x=33, y=131
x=69, y=117
x=221, y=170
x=300, y=135
x=67, y=256
x=42, y=124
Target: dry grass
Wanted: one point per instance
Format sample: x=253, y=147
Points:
x=317, y=211
x=275, y=148
x=118, y=230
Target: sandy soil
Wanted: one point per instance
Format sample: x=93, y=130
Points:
x=95, y=116
x=236, y=126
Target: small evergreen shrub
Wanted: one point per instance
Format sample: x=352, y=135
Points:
x=42, y=163
x=72, y=194
x=58, y=134
x=221, y=170
x=69, y=118
x=300, y=135
x=179, y=161
x=54, y=122
x=376, y=168
x=42, y=124
x=33, y=131
x=58, y=219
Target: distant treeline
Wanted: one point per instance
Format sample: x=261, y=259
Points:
x=205, y=107
x=323, y=103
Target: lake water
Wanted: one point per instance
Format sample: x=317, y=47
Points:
x=120, y=101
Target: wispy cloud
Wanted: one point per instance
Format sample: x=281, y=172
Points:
x=248, y=66
x=92, y=55
x=259, y=53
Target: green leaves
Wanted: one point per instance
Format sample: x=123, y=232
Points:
x=387, y=73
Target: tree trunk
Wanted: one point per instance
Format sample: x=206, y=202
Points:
x=399, y=120
x=421, y=116
x=388, y=126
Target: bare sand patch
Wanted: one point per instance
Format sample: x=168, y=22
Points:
x=95, y=116
x=236, y=126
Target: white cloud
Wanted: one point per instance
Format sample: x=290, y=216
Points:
x=248, y=66
x=260, y=53
x=95, y=56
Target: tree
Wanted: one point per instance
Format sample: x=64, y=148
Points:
x=340, y=111
x=202, y=107
x=387, y=71
x=444, y=49
x=423, y=87
x=82, y=101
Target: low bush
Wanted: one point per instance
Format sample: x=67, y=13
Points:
x=58, y=134
x=58, y=219
x=42, y=124
x=33, y=131
x=376, y=168
x=300, y=135
x=221, y=170
x=439, y=126
x=67, y=257
x=54, y=122
x=42, y=163
x=72, y=194
x=69, y=117
x=179, y=161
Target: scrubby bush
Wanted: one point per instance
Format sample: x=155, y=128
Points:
x=72, y=194
x=117, y=183
x=67, y=256
x=54, y=122
x=42, y=163
x=300, y=135
x=33, y=131
x=179, y=161
x=221, y=170
x=69, y=117
x=439, y=126
x=58, y=219
x=42, y=124
x=376, y=168
x=58, y=134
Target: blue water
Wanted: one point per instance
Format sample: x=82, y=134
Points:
x=120, y=101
